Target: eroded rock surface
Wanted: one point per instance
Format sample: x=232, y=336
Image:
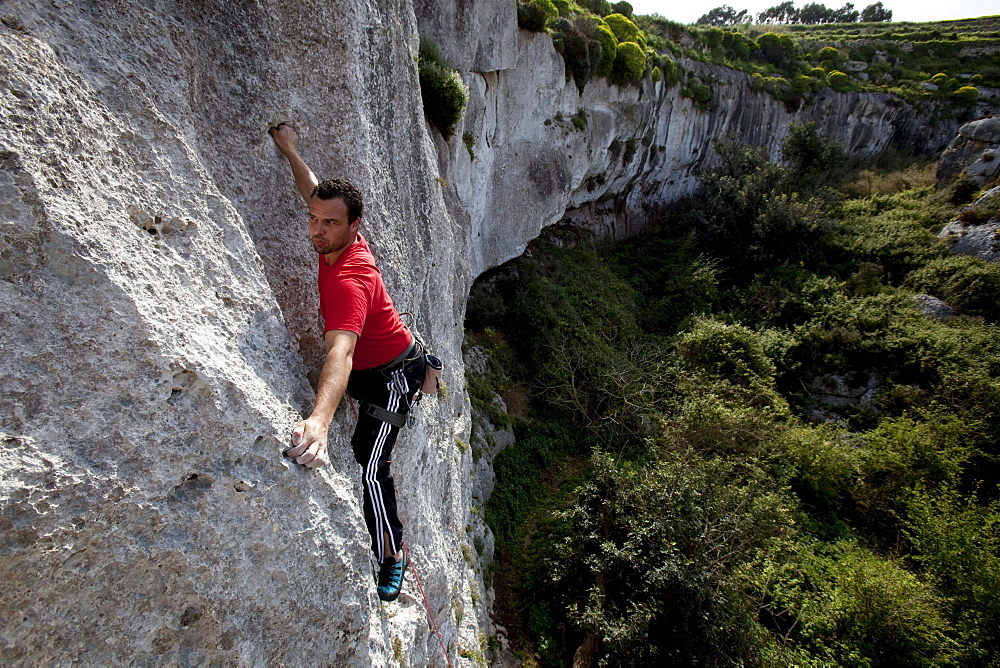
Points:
x=975, y=150
x=977, y=231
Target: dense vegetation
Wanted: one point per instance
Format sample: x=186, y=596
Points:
x=740, y=438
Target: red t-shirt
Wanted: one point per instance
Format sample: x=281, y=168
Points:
x=352, y=296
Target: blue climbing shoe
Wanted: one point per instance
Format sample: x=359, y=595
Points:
x=390, y=578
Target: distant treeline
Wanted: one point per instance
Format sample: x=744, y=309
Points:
x=786, y=13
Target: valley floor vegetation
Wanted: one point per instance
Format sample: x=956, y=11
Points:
x=741, y=440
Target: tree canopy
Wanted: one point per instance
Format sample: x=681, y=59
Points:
x=786, y=13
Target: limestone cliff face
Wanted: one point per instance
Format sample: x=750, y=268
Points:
x=158, y=317
x=642, y=146
x=159, y=323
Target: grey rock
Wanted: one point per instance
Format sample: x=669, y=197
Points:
x=973, y=151
x=980, y=240
x=986, y=130
x=933, y=307
x=856, y=66
x=990, y=199
x=832, y=395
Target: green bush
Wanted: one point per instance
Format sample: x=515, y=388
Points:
x=830, y=53
x=916, y=451
x=847, y=606
x=655, y=74
x=574, y=46
x=442, y=90
x=803, y=84
x=778, y=50
x=670, y=279
x=609, y=48
x=728, y=351
x=671, y=72
x=966, y=95
x=838, y=80
x=807, y=153
x=624, y=8
x=957, y=541
x=968, y=284
x=624, y=29
x=599, y=7
x=647, y=559
x=698, y=91
x=535, y=14
x=630, y=63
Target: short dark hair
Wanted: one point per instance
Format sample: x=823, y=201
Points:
x=333, y=188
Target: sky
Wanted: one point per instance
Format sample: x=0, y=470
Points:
x=690, y=11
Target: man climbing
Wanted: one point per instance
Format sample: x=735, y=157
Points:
x=369, y=352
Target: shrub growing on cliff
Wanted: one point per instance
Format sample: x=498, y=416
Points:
x=966, y=95
x=630, y=63
x=609, y=47
x=838, y=80
x=535, y=14
x=441, y=88
x=624, y=29
x=574, y=46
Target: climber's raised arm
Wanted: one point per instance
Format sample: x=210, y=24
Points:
x=286, y=140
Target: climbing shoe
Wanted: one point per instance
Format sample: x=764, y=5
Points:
x=390, y=578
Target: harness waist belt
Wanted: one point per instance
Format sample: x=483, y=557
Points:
x=409, y=351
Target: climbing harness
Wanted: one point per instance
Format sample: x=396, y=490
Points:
x=427, y=605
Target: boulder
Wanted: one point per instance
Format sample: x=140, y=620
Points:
x=933, y=307
x=973, y=151
x=981, y=240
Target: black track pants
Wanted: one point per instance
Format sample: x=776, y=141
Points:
x=393, y=390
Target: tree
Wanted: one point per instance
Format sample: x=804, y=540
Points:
x=846, y=14
x=876, y=14
x=813, y=13
x=724, y=16
x=783, y=13
x=624, y=8
x=808, y=153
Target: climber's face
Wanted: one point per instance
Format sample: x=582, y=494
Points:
x=330, y=230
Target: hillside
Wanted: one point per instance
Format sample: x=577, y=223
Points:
x=903, y=59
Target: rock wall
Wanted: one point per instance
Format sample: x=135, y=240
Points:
x=642, y=146
x=158, y=316
x=159, y=321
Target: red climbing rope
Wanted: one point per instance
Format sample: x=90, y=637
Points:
x=427, y=605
